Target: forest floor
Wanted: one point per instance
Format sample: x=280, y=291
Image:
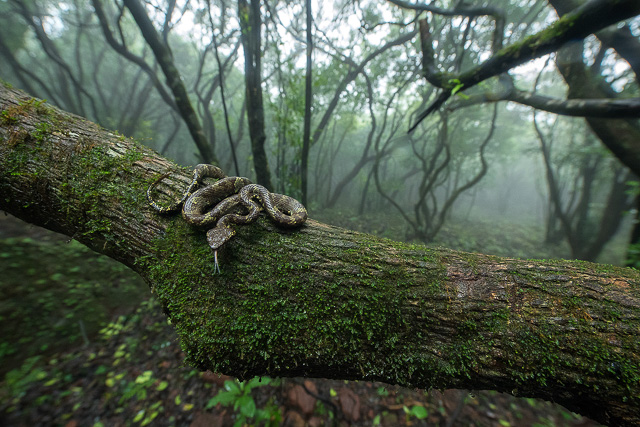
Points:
x=85, y=344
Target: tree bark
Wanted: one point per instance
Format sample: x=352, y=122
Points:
x=327, y=302
x=250, y=25
x=164, y=56
x=308, y=100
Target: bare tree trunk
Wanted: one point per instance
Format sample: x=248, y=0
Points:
x=250, y=24
x=327, y=302
x=308, y=99
x=164, y=57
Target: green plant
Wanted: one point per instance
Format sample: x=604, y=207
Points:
x=138, y=388
x=420, y=412
x=19, y=380
x=238, y=394
x=457, y=85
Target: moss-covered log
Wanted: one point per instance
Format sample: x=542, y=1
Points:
x=327, y=302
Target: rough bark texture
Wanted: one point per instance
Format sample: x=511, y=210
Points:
x=327, y=302
x=619, y=136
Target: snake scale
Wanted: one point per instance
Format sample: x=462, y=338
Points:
x=231, y=200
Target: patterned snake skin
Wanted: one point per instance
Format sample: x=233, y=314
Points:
x=229, y=201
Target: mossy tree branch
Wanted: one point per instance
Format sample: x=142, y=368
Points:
x=327, y=302
x=587, y=19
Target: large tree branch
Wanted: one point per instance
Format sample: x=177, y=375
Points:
x=605, y=108
x=621, y=39
x=327, y=302
x=122, y=50
x=575, y=25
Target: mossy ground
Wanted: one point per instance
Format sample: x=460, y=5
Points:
x=49, y=292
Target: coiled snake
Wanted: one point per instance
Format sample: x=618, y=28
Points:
x=229, y=201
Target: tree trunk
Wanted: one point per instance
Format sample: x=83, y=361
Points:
x=308, y=100
x=250, y=25
x=327, y=302
x=164, y=57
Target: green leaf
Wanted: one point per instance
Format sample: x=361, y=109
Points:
x=138, y=416
x=162, y=385
x=225, y=398
x=420, y=412
x=247, y=406
x=232, y=386
x=51, y=382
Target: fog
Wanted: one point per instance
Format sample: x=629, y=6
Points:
x=473, y=171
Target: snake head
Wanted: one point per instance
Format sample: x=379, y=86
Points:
x=216, y=237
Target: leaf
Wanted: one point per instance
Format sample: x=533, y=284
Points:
x=247, y=406
x=139, y=416
x=232, y=386
x=225, y=398
x=420, y=412
x=162, y=385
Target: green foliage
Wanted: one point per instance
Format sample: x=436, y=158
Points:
x=237, y=394
x=456, y=86
x=19, y=380
x=633, y=256
x=50, y=293
x=419, y=412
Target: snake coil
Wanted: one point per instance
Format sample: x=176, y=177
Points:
x=229, y=201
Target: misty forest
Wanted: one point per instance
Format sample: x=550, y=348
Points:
x=444, y=231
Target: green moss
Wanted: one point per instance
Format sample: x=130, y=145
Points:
x=89, y=179
x=260, y=308
x=94, y=182
x=539, y=40
x=7, y=118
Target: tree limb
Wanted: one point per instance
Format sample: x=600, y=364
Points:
x=575, y=25
x=327, y=302
x=605, y=108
